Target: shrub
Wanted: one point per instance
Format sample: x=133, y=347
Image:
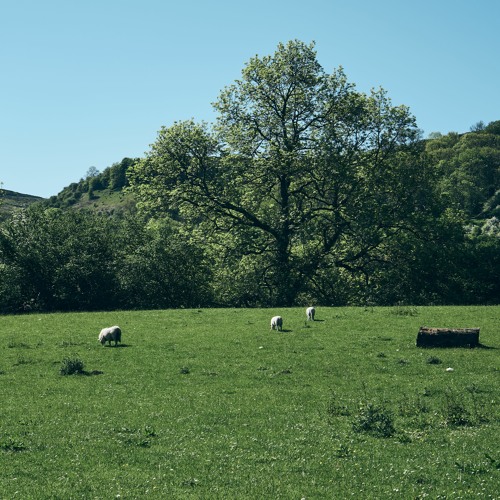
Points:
x=374, y=420
x=343, y=451
x=12, y=445
x=72, y=366
x=433, y=360
x=455, y=412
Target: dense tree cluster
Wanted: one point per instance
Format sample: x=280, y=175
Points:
x=113, y=178
x=303, y=191
x=55, y=260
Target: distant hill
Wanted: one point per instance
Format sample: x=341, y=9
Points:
x=109, y=201
x=467, y=165
x=10, y=201
x=101, y=192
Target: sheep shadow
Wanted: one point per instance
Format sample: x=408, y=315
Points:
x=117, y=346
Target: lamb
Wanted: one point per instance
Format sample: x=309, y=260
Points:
x=109, y=334
x=310, y=312
x=277, y=323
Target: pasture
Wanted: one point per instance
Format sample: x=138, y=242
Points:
x=212, y=404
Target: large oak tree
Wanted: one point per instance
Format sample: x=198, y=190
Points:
x=301, y=173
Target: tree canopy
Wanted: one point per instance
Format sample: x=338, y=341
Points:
x=468, y=168
x=300, y=173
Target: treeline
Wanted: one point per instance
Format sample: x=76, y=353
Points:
x=54, y=259
x=304, y=191
x=69, y=260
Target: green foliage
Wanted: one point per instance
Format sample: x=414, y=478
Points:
x=11, y=202
x=77, y=260
x=493, y=128
x=118, y=174
x=304, y=191
x=469, y=170
x=160, y=266
x=57, y=260
x=434, y=360
x=375, y=420
x=11, y=445
x=71, y=366
x=300, y=173
x=94, y=186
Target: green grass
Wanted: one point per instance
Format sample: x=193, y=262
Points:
x=211, y=404
x=107, y=201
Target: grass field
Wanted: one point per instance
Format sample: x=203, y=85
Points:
x=211, y=404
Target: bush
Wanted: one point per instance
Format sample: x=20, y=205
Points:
x=456, y=413
x=72, y=367
x=374, y=420
x=434, y=360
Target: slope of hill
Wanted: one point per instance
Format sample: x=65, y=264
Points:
x=102, y=192
x=10, y=201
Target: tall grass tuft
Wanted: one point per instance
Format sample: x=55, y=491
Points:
x=72, y=366
x=376, y=420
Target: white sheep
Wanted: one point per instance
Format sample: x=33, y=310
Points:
x=277, y=323
x=310, y=312
x=109, y=334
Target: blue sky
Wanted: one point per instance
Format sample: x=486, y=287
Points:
x=86, y=83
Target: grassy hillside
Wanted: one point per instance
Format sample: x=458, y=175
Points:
x=105, y=200
x=11, y=201
x=102, y=192
x=211, y=404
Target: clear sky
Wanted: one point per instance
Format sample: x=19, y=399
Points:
x=86, y=83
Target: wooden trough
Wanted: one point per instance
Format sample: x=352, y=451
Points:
x=447, y=337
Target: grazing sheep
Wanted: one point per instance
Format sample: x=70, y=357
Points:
x=310, y=312
x=277, y=323
x=109, y=334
